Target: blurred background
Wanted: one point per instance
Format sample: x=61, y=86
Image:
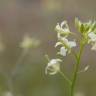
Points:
x=38, y=18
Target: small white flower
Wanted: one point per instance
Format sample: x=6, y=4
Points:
x=63, y=51
x=62, y=28
x=66, y=46
x=53, y=66
x=69, y=44
x=92, y=36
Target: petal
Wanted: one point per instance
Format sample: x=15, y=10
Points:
x=63, y=51
x=86, y=68
x=72, y=44
x=58, y=35
x=58, y=43
x=63, y=23
x=66, y=30
x=65, y=40
x=53, y=73
x=58, y=60
x=58, y=27
x=54, y=61
x=53, y=66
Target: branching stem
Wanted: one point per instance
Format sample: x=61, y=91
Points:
x=76, y=68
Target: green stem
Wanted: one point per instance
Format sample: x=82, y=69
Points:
x=65, y=77
x=76, y=69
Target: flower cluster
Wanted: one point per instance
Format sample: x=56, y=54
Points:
x=63, y=32
x=88, y=31
x=62, y=29
x=88, y=36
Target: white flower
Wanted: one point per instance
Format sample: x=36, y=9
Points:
x=92, y=36
x=68, y=44
x=72, y=44
x=63, y=51
x=62, y=28
x=53, y=66
x=65, y=46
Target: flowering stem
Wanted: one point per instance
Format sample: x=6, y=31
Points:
x=65, y=77
x=76, y=68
